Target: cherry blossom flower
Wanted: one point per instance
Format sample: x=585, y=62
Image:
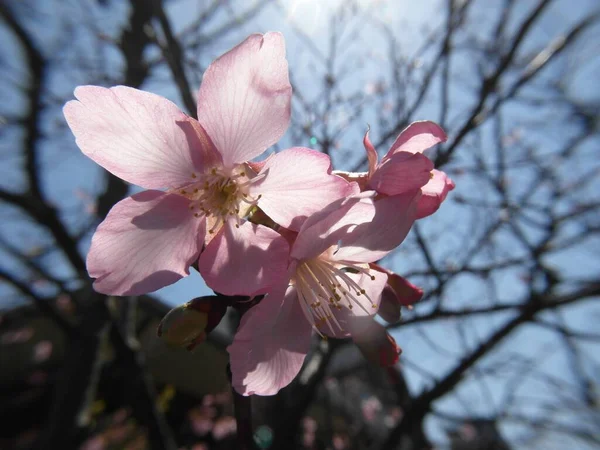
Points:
x=200, y=187
x=405, y=168
x=329, y=288
x=408, y=186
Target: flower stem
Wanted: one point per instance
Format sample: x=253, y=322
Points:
x=243, y=417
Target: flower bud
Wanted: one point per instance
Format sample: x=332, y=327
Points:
x=187, y=325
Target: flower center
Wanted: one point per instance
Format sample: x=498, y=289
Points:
x=325, y=286
x=220, y=195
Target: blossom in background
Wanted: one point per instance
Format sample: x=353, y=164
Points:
x=150, y=240
x=330, y=287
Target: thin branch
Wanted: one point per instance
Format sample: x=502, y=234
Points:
x=37, y=70
x=174, y=56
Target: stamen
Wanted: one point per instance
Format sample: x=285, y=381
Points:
x=329, y=271
x=219, y=193
x=253, y=180
x=354, y=267
x=306, y=286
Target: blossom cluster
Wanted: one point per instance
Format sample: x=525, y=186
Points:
x=288, y=230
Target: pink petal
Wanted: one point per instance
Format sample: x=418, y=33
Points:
x=434, y=193
x=369, y=305
x=373, y=288
x=244, y=99
x=298, y=183
x=417, y=137
x=257, y=166
x=374, y=239
x=330, y=225
x=202, y=146
x=146, y=242
x=371, y=154
x=244, y=261
x=406, y=293
x=401, y=173
x=271, y=343
x=134, y=135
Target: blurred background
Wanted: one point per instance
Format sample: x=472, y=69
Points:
x=503, y=352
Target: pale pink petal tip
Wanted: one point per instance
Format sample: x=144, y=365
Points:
x=132, y=134
x=418, y=137
x=245, y=96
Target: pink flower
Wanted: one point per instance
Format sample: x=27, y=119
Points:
x=150, y=239
x=329, y=288
x=404, y=168
x=409, y=187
